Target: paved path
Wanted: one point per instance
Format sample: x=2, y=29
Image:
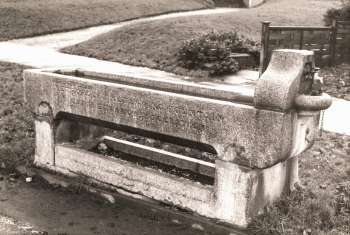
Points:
x=29, y=207
x=337, y=117
x=40, y=57
x=61, y=40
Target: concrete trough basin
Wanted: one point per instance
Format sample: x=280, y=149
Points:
x=255, y=127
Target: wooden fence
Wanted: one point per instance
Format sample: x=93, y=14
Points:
x=342, y=43
x=330, y=44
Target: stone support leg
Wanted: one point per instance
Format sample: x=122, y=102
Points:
x=241, y=193
x=293, y=172
x=44, y=137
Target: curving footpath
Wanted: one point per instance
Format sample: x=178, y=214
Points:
x=65, y=39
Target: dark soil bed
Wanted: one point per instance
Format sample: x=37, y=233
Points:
x=187, y=174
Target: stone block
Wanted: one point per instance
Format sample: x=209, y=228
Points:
x=242, y=130
x=241, y=193
x=44, y=143
x=129, y=177
x=256, y=128
x=238, y=194
x=280, y=84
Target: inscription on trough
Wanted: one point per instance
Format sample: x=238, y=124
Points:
x=128, y=107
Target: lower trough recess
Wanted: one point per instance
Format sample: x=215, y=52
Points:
x=171, y=158
x=158, y=185
x=161, y=167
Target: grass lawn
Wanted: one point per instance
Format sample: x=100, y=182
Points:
x=23, y=18
x=155, y=44
x=16, y=122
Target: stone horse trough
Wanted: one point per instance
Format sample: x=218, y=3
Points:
x=254, y=128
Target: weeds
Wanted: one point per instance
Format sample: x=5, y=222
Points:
x=304, y=212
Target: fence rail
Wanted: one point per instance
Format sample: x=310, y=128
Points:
x=298, y=28
x=331, y=44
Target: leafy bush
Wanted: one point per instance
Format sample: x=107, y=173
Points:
x=213, y=52
x=342, y=13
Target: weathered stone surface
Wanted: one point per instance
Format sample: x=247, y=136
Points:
x=284, y=78
x=214, y=114
x=307, y=102
x=44, y=143
x=241, y=193
x=161, y=156
x=238, y=132
x=132, y=178
x=253, y=133
x=238, y=195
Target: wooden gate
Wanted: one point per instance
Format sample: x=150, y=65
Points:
x=331, y=44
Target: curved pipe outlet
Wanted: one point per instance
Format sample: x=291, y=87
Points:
x=313, y=103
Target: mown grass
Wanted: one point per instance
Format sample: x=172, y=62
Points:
x=16, y=121
x=156, y=44
x=24, y=18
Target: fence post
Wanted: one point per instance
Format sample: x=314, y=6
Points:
x=301, y=43
x=333, y=41
x=265, y=35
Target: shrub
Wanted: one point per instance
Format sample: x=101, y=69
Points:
x=342, y=13
x=212, y=52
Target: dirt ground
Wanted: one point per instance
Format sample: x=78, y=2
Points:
x=60, y=211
